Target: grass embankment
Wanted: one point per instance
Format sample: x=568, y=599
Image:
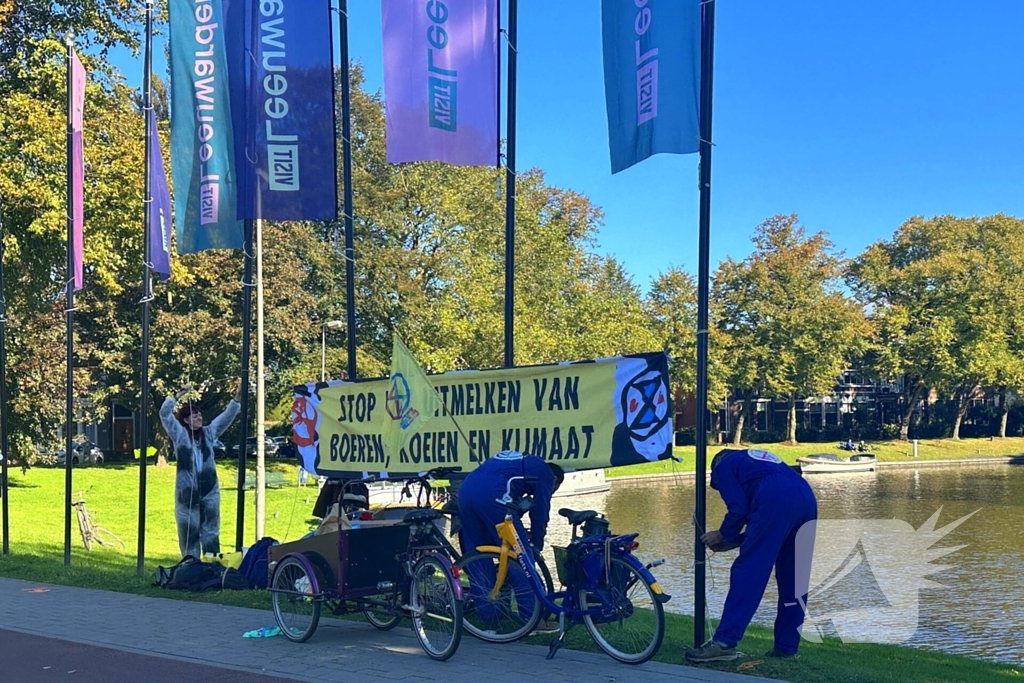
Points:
x=886, y=451
x=37, y=533
x=830, y=660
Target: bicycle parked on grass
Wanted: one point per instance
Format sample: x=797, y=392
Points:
x=90, y=532
x=606, y=587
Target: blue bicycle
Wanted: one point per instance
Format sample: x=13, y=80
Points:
x=604, y=585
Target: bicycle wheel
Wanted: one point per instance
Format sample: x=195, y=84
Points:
x=106, y=537
x=437, y=614
x=385, y=621
x=507, y=618
x=297, y=611
x=632, y=621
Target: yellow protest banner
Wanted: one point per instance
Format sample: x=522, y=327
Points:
x=581, y=415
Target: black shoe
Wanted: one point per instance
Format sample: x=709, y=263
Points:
x=779, y=654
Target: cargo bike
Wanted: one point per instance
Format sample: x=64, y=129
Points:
x=386, y=569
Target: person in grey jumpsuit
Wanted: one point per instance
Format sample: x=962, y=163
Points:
x=196, y=489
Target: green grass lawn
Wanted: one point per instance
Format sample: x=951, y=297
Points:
x=886, y=451
x=37, y=532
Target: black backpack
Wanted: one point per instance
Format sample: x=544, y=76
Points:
x=193, y=575
x=175, y=575
x=228, y=579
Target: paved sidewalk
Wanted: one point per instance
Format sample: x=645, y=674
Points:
x=350, y=652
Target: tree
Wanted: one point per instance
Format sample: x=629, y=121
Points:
x=32, y=183
x=940, y=290
x=792, y=330
x=430, y=255
x=671, y=305
x=28, y=29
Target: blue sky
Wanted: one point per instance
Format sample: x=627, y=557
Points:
x=855, y=115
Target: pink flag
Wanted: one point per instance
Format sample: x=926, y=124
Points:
x=77, y=170
x=441, y=81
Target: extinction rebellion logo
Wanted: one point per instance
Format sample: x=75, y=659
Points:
x=645, y=405
x=399, y=400
x=442, y=85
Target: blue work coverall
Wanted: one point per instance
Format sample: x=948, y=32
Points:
x=773, y=501
x=479, y=513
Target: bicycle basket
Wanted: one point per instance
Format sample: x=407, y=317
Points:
x=596, y=527
x=568, y=566
x=561, y=564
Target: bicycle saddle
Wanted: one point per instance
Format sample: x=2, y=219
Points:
x=421, y=516
x=578, y=516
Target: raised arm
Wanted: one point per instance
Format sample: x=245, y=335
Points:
x=220, y=423
x=171, y=425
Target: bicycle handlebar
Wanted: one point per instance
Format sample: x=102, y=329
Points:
x=523, y=504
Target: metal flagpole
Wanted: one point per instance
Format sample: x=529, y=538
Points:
x=4, y=450
x=70, y=314
x=346, y=147
x=510, y=181
x=147, y=288
x=243, y=431
x=259, y=493
x=497, y=86
x=707, y=45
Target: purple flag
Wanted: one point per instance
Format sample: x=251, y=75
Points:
x=77, y=170
x=441, y=81
x=160, y=209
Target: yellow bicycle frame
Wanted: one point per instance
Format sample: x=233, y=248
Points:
x=509, y=548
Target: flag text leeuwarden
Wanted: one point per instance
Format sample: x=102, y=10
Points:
x=282, y=158
x=206, y=93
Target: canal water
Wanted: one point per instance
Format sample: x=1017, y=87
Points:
x=977, y=609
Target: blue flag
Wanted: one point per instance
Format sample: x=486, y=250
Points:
x=651, y=78
x=160, y=210
x=202, y=141
x=282, y=95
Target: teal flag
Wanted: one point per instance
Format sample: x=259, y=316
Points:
x=202, y=149
x=651, y=78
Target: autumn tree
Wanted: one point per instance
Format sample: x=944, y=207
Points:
x=946, y=318
x=792, y=329
x=671, y=306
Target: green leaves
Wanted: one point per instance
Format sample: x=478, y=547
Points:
x=944, y=297
x=791, y=330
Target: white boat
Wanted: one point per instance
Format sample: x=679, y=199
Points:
x=581, y=483
x=830, y=463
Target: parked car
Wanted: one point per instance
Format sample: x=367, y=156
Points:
x=85, y=452
x=269, y=447
x=285, y=447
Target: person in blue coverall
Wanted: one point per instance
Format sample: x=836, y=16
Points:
x=480, y=512
x=773, y=502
